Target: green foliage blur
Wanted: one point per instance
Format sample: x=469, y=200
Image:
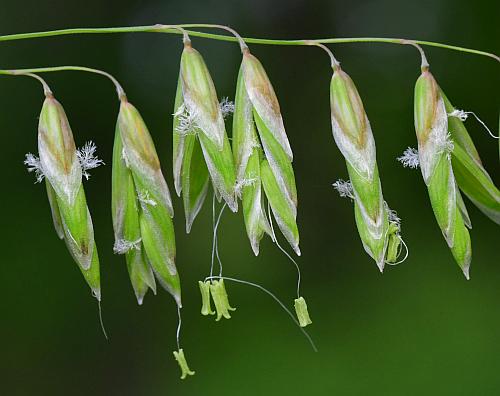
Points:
x=419, y=328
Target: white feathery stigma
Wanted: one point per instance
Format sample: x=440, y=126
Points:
x=226, y=107
x=410, y=159
x=122, y=246
x=88, y=159
x=344, y=188
x=33, y=164
x=145, y=199
x=187, y=120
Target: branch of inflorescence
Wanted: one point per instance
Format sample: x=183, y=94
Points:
x=158, y=28
x=33, y=73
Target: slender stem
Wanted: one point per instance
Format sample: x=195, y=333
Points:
x=179, y=325
x=30, y=72
x=185, y=36
x=241, y=41
x=425, y=63
x=46, y=89
x=164, y=29
x=275, y=240
x=334, y=62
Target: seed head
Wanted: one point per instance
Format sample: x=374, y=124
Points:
x=201, y=145
x=142, y=209
x=353, y=135
x=434, y=148
x=256, y=105
x=59, y=164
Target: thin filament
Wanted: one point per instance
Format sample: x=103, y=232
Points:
x=218, y=256
x=178, y=333
x=214, y=236
x=483, y=124
x=275, y=240
x=273, y=296
x=101, y=320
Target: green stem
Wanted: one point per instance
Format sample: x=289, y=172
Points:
x=172, y=29
x=29, y=72
x=46, y=89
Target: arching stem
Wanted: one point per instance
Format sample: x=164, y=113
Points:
x=248, y=40
x=425, y=64
x=335, y=63
x=46, y=89
x=241, y=41
x=31, y=72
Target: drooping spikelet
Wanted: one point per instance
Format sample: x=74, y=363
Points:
x=248, y=155
x=142, y=207
x=201, y=147
x=263, y=155
x=434, y=148
x=468, y=169
x=60, y=165
x=353, y=135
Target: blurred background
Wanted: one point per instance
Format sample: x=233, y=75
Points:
x=420, y=328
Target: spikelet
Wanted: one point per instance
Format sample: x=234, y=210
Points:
x=353, y=135
x=60, y=165
x=247, y=157
x=468, y=169
x=201, y=145
x=259, y=139
x=142, y=208
x=434, y=148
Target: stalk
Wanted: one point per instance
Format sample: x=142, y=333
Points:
x=31, y=73
x=175, y=29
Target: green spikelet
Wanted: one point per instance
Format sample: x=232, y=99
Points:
x=201, y=145
x=142, y=207
x=259, y=133
x=353, y=136
x=247, y=156
x=434, y=149
x=63, y=171
x=468, y=169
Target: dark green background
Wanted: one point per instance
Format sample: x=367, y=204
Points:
x=420, y=328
